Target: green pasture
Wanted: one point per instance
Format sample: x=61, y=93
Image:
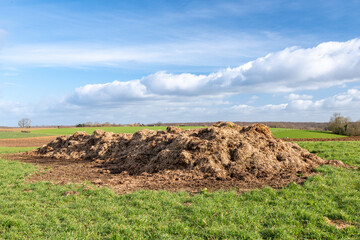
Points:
x=299, y=133
x=18, y=134
x=43, y=211
x=349, y=152
x=277, y=132
x=9, y=150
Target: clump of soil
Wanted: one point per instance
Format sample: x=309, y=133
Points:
x=223, y=151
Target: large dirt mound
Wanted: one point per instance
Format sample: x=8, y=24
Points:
x=224, y=151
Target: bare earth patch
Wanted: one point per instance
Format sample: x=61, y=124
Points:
x=75, y=171
x=340, y=224
x=16, y=129
x=26, y=142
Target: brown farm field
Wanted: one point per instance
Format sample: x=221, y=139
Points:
x=26, y=142
x=16, y=129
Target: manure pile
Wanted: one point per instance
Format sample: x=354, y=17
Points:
x=223, y=151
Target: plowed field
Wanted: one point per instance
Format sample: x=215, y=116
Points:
x=26, y=142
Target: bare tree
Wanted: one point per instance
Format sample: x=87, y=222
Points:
x=24, y=123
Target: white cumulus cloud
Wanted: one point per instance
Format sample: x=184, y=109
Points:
x=109, y=93
x=340, y=102
x=292, y=69
x=347, y=103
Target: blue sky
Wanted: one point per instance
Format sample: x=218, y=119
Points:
x=68, y=62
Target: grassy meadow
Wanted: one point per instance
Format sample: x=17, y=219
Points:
x=10, y=150
x=18, y=134
x=347, y=151
x=299, y=133
x=42, y=210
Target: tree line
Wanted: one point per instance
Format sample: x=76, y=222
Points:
x=343, y=125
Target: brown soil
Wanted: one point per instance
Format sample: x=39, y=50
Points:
x=77, y=171
x=355, y=138
x=223, y=156
x=16, y=129
x=340, y=224
x=26, y=142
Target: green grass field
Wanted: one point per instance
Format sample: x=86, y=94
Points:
x=298, y=133
x=9, y=150
x=42, y=210
x=6, y=135
x=347, y=151
x=277, y=132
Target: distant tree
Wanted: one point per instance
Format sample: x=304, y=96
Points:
x=88, y=124
x=353, y=129
x=24, y=123
x=338, y=124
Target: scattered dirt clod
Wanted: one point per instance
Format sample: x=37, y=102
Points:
x=340, y=224
x=68, y=193
x=338, y=163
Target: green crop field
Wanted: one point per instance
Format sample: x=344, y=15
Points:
x=298, y=133
x=18, y=134
x=43, y=211
x=9, y=150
